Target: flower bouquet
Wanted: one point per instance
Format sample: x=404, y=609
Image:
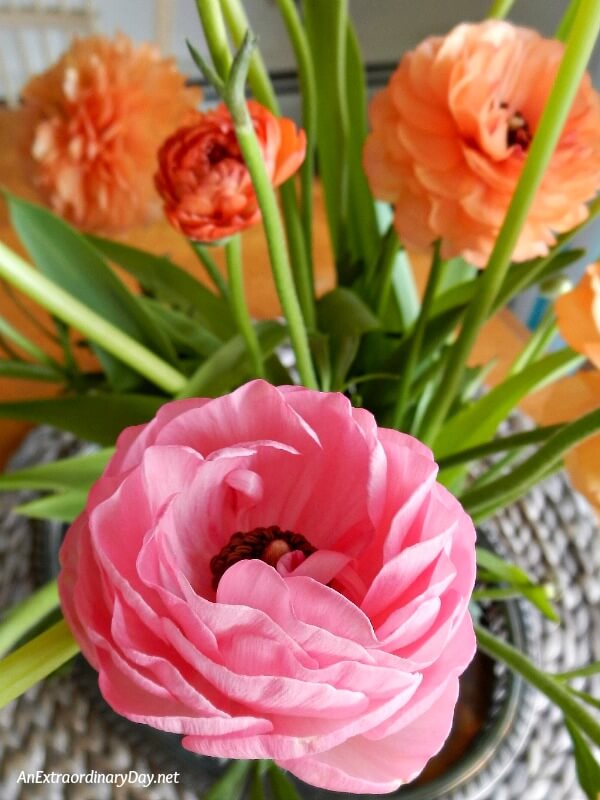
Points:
x=272, y=551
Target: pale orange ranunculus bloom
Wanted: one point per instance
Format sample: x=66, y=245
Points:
x=571, y=398
x=578, y=315
x=203, y=180
x=451, y=131
x=94, y=122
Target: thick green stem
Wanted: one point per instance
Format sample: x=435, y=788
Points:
x=406, y=376
x=308, y=86
x=280, y=262
x=258, y=77
x=26, y=615
x=215, y=34
x=262, y=89
x=542, y=681
x=577, y=52
x=500, y=9
x=66, y=307
x=37, y=659
x=211, y=268
x=239, y=306
x=564, y=26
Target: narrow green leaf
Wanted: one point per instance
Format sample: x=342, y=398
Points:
x=479, y=421
x=21, y=618
x=63, y=507
x=228, y=366
x=159, y=275
x=581, y=672
x=588, y=769
x=23, y=370
x=341, y=312
x=281, y=785
x=486, y=498
x=97, y=418
x=68, y=259
x=589, y=699
x=78, y=472
x=24, y=667
x=186, y=333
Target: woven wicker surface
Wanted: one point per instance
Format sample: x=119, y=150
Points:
x=60, y=726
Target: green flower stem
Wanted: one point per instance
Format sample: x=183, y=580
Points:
x=308, y=85
x=416, y=341
x=211, y=267
x=10, y=332
x=500, y=445
x=258, y=77
x=500, y=9
x=37, y=659
x=303, y=275
x=384, y=272
x=577, y=52
x=215, y=34
x=566, y=23
x=66, y=307
x=537, y=344
x=545, y=683
x=262, y=89
x=581, y=672
x=533, y=468
x=239, y=306
x=26, y=615
x=272, y=224
x=280, y=262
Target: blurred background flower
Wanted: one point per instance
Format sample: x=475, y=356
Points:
x=578, y=315
x=95, y=120
x=451, y=131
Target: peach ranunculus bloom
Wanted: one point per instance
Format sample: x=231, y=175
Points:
x=578, y=315
x=570, y=398
x=94, y=122
x=451, y=131
x=272, y=575
x=203, y=180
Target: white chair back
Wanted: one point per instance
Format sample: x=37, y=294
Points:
x=33, y=34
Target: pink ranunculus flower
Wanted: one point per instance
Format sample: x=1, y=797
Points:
x=273, y=576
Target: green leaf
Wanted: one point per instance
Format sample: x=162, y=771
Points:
x=186, y=333
x=587, y=698
x=159, y=275
x=97, y=418
x=231, y=785
x=68, y=259
x=63, y=507
x=229, y=366
x=341, y=312
x=479, y=421
x=78, y=472
x=580, y=672
x=23, y=370
x=281, y=785
x=588, y=769
x=24, y=667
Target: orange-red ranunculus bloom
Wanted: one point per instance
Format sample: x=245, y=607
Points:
x=202, y=177
x=94, y=123
x=451, y=131
x=578, y=315
x=572, y=397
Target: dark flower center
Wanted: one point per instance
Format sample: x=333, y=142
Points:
x=267, y=544
x=517, y=130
